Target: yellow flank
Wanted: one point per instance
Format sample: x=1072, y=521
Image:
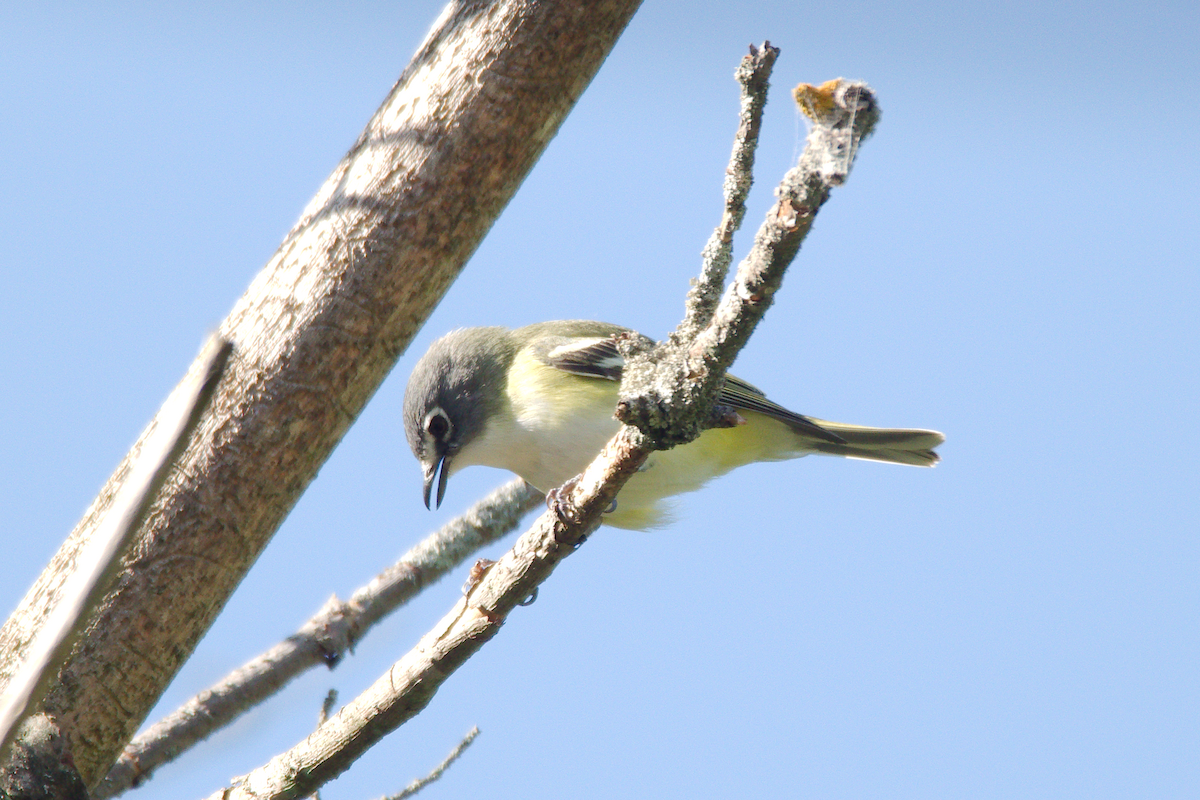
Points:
x=563, y=420
x=548, y=397
x=559, y=422
x=690, y=466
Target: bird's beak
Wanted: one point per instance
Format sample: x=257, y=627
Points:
x=440, y=463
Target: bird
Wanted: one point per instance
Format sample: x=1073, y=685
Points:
x=539, y=401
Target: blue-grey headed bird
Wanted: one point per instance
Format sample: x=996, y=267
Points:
x=539, y=401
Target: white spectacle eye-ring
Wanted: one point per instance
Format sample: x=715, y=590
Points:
x=437, y=424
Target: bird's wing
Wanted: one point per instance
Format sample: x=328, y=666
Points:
x=585, y=356
x=598, y=357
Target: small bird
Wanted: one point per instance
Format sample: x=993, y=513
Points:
x=539, y=401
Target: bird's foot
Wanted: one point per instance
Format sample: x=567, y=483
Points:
x=559, y=501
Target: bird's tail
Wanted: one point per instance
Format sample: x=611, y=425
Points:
x=893, y=445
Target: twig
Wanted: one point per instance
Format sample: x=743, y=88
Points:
x=326, y=708
x=717, y=255
x=421, y=783
x=574, y=512
x=323, y=639
x=847, y=115
x=99, y=561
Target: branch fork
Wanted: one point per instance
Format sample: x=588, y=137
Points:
x=666, y=398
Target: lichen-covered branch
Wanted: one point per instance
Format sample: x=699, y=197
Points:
x=752, y=75
x=672, y=404
x=574, y=509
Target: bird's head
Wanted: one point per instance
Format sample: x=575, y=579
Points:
x=452, y=392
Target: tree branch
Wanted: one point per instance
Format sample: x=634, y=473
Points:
x=316, y=333
x=575, y=509
x=34, y=758
x=323, y=639
x=439, y=770
x=753, y=75
x=671, y=404
x=99, y=562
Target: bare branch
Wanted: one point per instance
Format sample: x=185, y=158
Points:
x=324, y=639
x=99, y=561
x=439, y=770
x=327, y=706
x=575, y=511
x=326, y=709
x=316, y=333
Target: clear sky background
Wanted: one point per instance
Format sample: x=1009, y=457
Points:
x=1013, y=262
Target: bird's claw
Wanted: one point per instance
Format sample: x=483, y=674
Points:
x=559, y=501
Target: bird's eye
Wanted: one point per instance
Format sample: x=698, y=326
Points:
x=437, y=425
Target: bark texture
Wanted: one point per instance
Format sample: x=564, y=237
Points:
x=315, y=334
x=575, y=509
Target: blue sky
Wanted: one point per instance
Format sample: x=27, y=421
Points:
x=1013, y=262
